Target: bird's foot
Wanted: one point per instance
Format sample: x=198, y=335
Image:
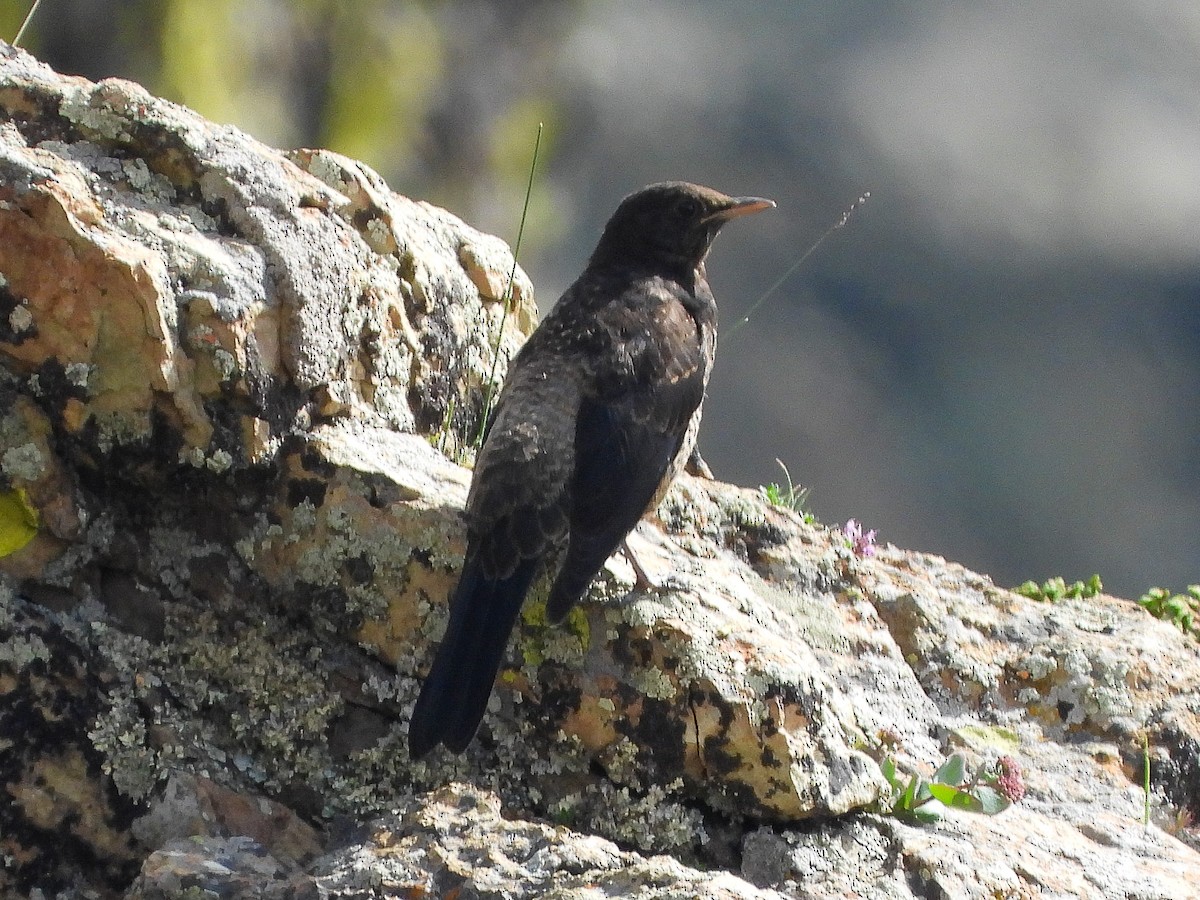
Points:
x=697, y=466
x=641, y=581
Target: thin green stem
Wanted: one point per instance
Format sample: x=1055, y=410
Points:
x=840, y=223
x=29, y=17
x=490, y=393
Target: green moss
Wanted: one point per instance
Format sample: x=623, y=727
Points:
x=566, y=642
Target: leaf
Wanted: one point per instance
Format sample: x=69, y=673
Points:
x=991, y=801
x=908, y=798
x=944, y=793
x=955, y=798
x=927, y=815
x=888, y=768
x=922, y=794
x=953, y=771
x=18, y=521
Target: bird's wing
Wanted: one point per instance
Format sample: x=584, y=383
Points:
x=629, y=430
x=517, y=508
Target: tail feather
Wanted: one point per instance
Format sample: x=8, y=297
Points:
x=455, y=693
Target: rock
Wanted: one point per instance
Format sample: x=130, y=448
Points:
x=227, y=868
x=60, y=812
x=456, y=843
x=226, y=374
x=189, y=806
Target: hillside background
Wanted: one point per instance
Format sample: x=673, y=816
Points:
x=998, y=359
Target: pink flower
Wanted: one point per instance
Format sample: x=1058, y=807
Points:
x=861, y=544
x=1008, y=779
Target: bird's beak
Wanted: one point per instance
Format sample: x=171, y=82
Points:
x=740, y=206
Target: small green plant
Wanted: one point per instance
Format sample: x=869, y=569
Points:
x=793, y=497
x=1057, y=589
x=988, y=790
x=1182, y=610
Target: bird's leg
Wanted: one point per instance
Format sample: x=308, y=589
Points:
x=642, y=581
x=697, y=466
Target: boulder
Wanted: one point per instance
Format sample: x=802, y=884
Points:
x=237, y=386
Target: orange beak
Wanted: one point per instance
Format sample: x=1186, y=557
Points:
x=740, y=206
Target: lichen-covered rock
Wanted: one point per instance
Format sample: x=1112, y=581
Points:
x=59, y=813
x=224, y=374
x=456, y=843
x=1077, y=833
x=157, y=268
x=1096, y=668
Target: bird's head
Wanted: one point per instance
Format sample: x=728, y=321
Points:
x=670, y=225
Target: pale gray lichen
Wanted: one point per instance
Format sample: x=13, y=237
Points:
x=219, y=461
x=653, y=682
x=621, y=762
x=327, y=168
x=20, y=650
x=271, y=689
x=379, y=235
x=78, y=373
x=120, y=731
x=120, y=734
x=652, y=822
x=78, y=107
x=225, y=364
x=116, y=429
x=171, y=551
x=1038, y=665
x=25, y=462
x=142, y=180
x=7, y=598
x=20, y=319
x=192, y=456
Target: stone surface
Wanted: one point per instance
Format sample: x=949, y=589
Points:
x=456, y=843
x=225, y=372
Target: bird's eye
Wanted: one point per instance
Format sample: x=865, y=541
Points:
x=688, y=208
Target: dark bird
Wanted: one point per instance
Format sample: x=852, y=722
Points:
x=599, y=412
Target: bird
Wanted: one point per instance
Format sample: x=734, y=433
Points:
x=598, y=413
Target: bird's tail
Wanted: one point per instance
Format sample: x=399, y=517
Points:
x=456, y=691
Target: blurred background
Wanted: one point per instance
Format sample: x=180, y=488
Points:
x=997, y=359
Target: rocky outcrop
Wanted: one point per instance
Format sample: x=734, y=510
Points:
x=227, y=378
